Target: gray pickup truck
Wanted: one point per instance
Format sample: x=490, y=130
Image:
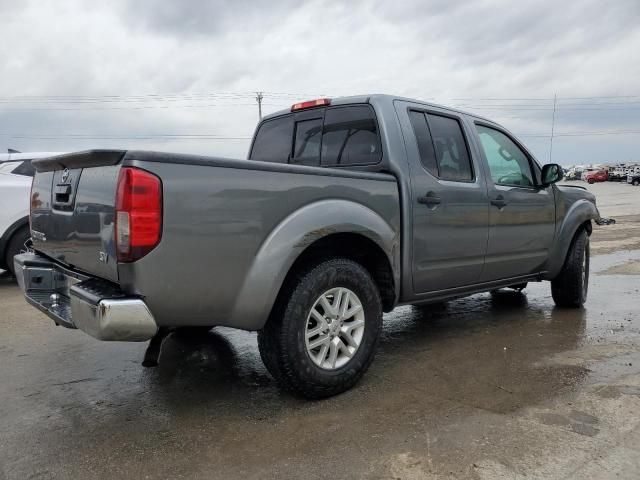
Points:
x=345, y=209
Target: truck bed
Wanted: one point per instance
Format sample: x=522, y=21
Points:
x=221, y=219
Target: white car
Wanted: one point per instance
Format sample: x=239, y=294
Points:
x=16, y=173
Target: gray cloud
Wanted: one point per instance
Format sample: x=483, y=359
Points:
x=202, y=17
x=442, y=50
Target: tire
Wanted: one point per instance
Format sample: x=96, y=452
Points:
x=636, y=183
x=569, y=288
x=193, y=332
x=18, y=243
x=591, y=181
x=285, y=345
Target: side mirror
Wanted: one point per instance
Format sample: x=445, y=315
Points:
x=551, y=173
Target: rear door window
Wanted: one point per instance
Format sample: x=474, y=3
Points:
x=442, y=146
x=425, y=143
x=308, y=136
x=273, y=140
x=452, y=155
x=350, y=137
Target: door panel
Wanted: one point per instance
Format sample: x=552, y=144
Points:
x=450, y=218
x=521, y=214
x=520, y=233
x=449, y=238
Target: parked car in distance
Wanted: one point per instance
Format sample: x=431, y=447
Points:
x=595, y=176
x=634, y=179
x=345, y=209
x=617, y=175
x=570, y=174
x=16, y=173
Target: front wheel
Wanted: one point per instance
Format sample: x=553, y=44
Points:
x=569, y=288
x=636, y=182
x=324, y=330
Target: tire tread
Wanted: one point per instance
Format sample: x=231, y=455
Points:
x=274, y=341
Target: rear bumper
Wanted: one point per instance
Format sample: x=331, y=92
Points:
x=75, y=300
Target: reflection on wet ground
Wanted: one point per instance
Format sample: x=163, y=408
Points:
x=468, y=387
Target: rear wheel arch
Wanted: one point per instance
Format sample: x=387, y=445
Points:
x=350, y=246
x=297, y=235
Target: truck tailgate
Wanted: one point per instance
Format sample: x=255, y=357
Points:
x=73, y=210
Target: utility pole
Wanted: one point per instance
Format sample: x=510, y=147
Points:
x=259, y=100
x=553, y=125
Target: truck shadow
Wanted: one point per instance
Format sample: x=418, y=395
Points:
x=487, y=351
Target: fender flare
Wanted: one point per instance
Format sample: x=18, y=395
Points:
x=6, y=237
x=290, y=238
x=580, y=212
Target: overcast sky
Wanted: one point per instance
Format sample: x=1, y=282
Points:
x=182, y=75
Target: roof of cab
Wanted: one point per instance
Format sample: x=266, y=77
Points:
x=382, y=98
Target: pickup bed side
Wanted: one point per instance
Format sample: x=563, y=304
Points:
x=245, y=233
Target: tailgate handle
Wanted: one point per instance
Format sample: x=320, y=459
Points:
x=62, y=193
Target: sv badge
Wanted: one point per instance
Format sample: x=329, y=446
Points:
x=103, y=257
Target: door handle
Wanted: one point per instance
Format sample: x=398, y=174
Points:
x=430, y=199
x=499, y=202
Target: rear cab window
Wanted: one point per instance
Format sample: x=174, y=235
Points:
x=308, y=139
x=350, y=136
x=273, y=140
x=338, y=136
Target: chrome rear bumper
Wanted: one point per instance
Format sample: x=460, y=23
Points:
x=75, y=300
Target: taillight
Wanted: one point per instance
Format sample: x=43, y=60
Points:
x=320, y=102
x=138, y=213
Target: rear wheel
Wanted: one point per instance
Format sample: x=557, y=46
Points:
x=569, y=288
x=323, y=333
x=193, y=332
x=20, y=242
x=636, y=182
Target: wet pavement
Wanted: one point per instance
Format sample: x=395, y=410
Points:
x=490, y=386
